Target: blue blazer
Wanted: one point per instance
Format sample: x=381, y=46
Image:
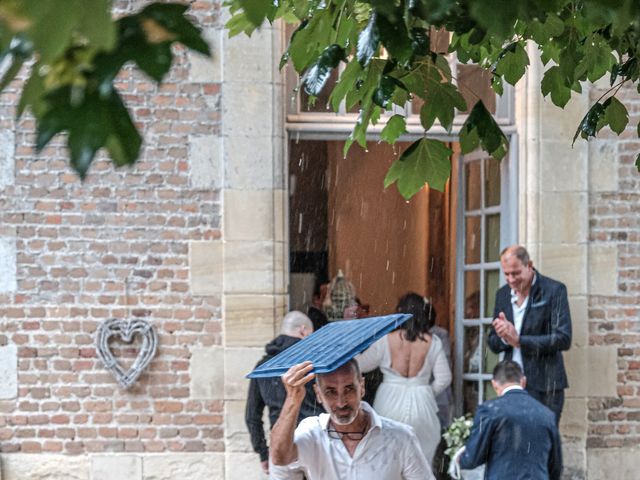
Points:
x=546, y=332
x=516, y=437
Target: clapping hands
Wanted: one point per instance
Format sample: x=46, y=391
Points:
x=506, y=330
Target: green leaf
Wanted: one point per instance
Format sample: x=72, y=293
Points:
x=92, y=121
x=615, y=115
x=425, y=161
x=553, y=26
x=432, y=11
x=318, y=74
x=11, y=72
x=512, y=63
x=597, y=59
x=32, y=94
x=368, y=41
x=440, y=101
x=124, y=140
x=480, y=128
x=638, y=162
x=592, y=122
x=345, y=84
x=53, y=30
x=256, y=10
x=171, y=17
x=382, y=95
x=553, y=83
x=420, y=43
x=97, y=25
x=395, y=127
x=395, y=38
x=239, y=23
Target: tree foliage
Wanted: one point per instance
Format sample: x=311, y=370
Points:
x=76, y=50
x=385, y=45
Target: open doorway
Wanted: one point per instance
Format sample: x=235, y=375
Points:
x=342, y=219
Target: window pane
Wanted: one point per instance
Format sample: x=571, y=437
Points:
x=489, y=359
x=471, y=362
x=492, y=238
x=472, y=306
x=472, y=240
x=474, y=83
x=491, y=182
x=491, y=284
x=489, y=392
x=473, y=182
x=471, y=292
x=470, y=396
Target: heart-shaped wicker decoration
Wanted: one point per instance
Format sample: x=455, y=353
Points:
x=126, y=329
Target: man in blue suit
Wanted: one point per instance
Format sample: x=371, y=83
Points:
x=514, y=435
x=532, y=326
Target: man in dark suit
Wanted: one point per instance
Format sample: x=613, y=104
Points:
x=515, y=436
x=532, y=326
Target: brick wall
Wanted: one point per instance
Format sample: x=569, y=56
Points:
x=116, y=245
x=614, y=308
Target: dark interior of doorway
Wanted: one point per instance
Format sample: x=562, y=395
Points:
x=342, y=218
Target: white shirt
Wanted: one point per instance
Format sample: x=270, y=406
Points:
x=388, y=451
x=518, y=317
x=512, y=387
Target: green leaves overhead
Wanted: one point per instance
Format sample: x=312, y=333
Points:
x=554, y=84
x=368, y=41
x=481, y=130
x=317, y=75
x=512, y=63
x=79, y=50
x=440, y=101
x=94, y=122
x=395, y=127
x=426, y=161
x=611, y=112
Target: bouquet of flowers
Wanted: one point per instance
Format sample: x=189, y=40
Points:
x=457, y=434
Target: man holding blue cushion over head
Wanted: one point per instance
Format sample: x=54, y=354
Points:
x=351, y=442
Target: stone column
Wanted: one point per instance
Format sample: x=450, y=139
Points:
x=554, y=213
x=255, y=255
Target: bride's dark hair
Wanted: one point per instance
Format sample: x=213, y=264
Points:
x=424, y=316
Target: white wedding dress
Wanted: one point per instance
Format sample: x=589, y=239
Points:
x=410, y=400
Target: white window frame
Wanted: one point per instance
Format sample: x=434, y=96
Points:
x=508, y=210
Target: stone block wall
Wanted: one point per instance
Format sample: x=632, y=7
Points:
x=614, y=305
x=143, y=242
x=191, y=238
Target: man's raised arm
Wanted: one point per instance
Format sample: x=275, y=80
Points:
x=283, y=449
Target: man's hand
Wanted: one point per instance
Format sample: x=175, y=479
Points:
x=506, y=330
x=295, y=380
x=265, y=466
x=283, y=450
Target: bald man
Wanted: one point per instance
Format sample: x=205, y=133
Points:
x=532, y=326
x=270, y=392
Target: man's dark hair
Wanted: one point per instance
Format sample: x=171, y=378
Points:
x=507, y=371
x=519, y=251
x=424, y=316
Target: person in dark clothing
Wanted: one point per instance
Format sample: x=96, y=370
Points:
x=270, y=392
x=514, y=435
x=316, y=313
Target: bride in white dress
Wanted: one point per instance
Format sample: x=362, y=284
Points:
x=408, y=357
